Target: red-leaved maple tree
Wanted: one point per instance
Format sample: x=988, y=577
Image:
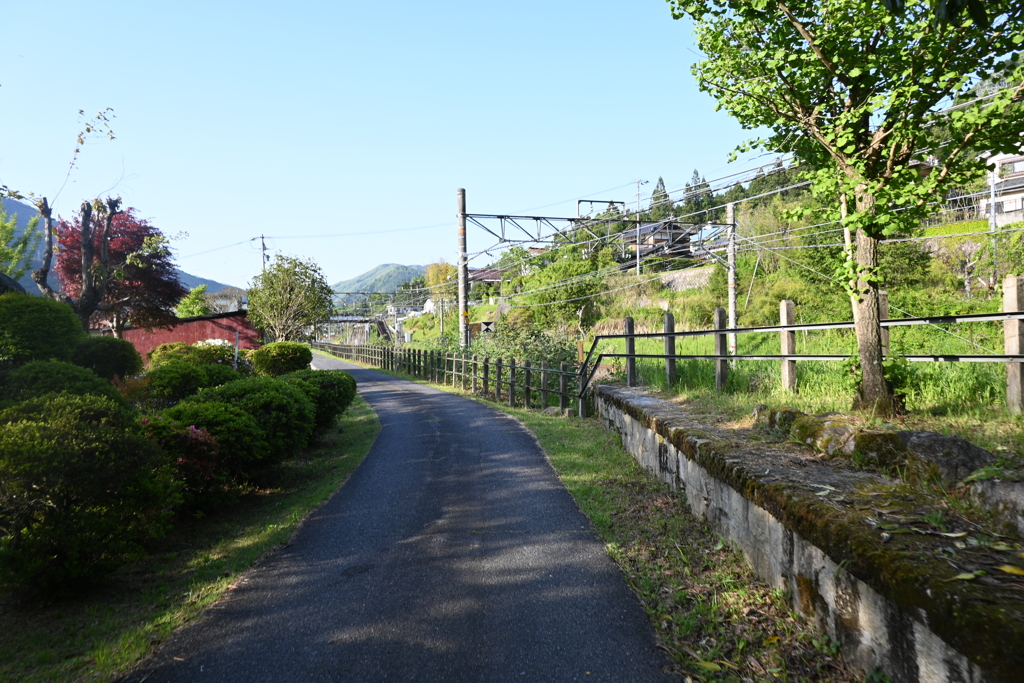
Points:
x=140, y=284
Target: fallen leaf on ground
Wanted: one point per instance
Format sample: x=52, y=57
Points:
x=1011, y=569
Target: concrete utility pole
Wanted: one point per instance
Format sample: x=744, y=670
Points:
x=730, y=218
x=263, y=249
x=993, y=176
x=463, y=266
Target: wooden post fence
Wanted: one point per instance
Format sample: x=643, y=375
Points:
x=563, y=387
x=1013, y=341
x=630, y=350
x=670, y=350
x=788, y=344
x=721, y=349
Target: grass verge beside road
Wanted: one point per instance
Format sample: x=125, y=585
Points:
x=714, y=617
x=99, y=635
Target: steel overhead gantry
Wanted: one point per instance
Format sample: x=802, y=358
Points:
x=546, y=228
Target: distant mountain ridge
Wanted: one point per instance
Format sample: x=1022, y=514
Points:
x=26, y=212
x=384, y=278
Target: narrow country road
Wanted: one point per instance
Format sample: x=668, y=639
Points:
x=452, y=554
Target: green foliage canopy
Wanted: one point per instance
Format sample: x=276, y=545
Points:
x=854, y=91
x=289, y=298
x=193, y=304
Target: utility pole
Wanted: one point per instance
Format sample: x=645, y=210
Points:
x=463, y=266
x=993, y=175
x=263, y=248
x=730, y=218
x=638, y=184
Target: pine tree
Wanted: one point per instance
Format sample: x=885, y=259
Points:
x=661, y=205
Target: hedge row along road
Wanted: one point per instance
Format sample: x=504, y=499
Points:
x=453, y=553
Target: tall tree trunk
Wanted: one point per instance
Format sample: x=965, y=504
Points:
x=40, y=276
x=88, y=297
x=874, y=395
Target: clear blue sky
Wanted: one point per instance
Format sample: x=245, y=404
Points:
x=325, y=118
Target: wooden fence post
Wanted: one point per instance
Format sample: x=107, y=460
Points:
x=721, y=349
x=544, y=384
x=487, y=379
x=527, y=377
x=630, y=350
x=788, y=344
x=582, y=400
x=497, y=381
x=476, y=368
x=462, y=357
x=883, y=314
x=1013, y=341
x=670, y=350
x=511, y=382
x=563, y=387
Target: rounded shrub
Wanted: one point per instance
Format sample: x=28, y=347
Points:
x=279, y=358
x=82, y=488
x=215, y=375
x=171, y=352
x=335, y=390
x=284, y=411
x=176, y=380
x=42, y=377
x=37, y=328
x=213, y=351
x=108, y=357
x=240, y=438
x=195, y=456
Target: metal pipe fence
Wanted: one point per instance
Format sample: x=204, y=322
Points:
x=524, y=383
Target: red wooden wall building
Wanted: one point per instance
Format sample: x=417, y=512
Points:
x=190, y=330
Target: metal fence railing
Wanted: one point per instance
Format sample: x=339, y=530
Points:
x=523, y=383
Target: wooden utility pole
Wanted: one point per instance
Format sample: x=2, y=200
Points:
x=463, y=266
x=730, y=218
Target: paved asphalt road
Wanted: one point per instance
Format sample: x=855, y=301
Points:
x=452, y=554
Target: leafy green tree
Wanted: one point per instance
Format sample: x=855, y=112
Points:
x=16, y=250
x=562, y=293
x=854, y=92
x=193, y=304
x=290, y=298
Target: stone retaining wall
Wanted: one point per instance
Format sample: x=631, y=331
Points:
x=877, y=627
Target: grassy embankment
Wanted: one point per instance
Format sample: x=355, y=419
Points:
x=99, y=635
x=713, y=616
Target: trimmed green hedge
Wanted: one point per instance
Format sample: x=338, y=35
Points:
x=108, y=357
x=279, y=358
x=176, y=380
x=42, y=377
x=82, y=487
x=284, y=411
x=334, y=391
x=37, y=328
x=241, y=440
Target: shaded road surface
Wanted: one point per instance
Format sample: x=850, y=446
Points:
x=452, y=554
